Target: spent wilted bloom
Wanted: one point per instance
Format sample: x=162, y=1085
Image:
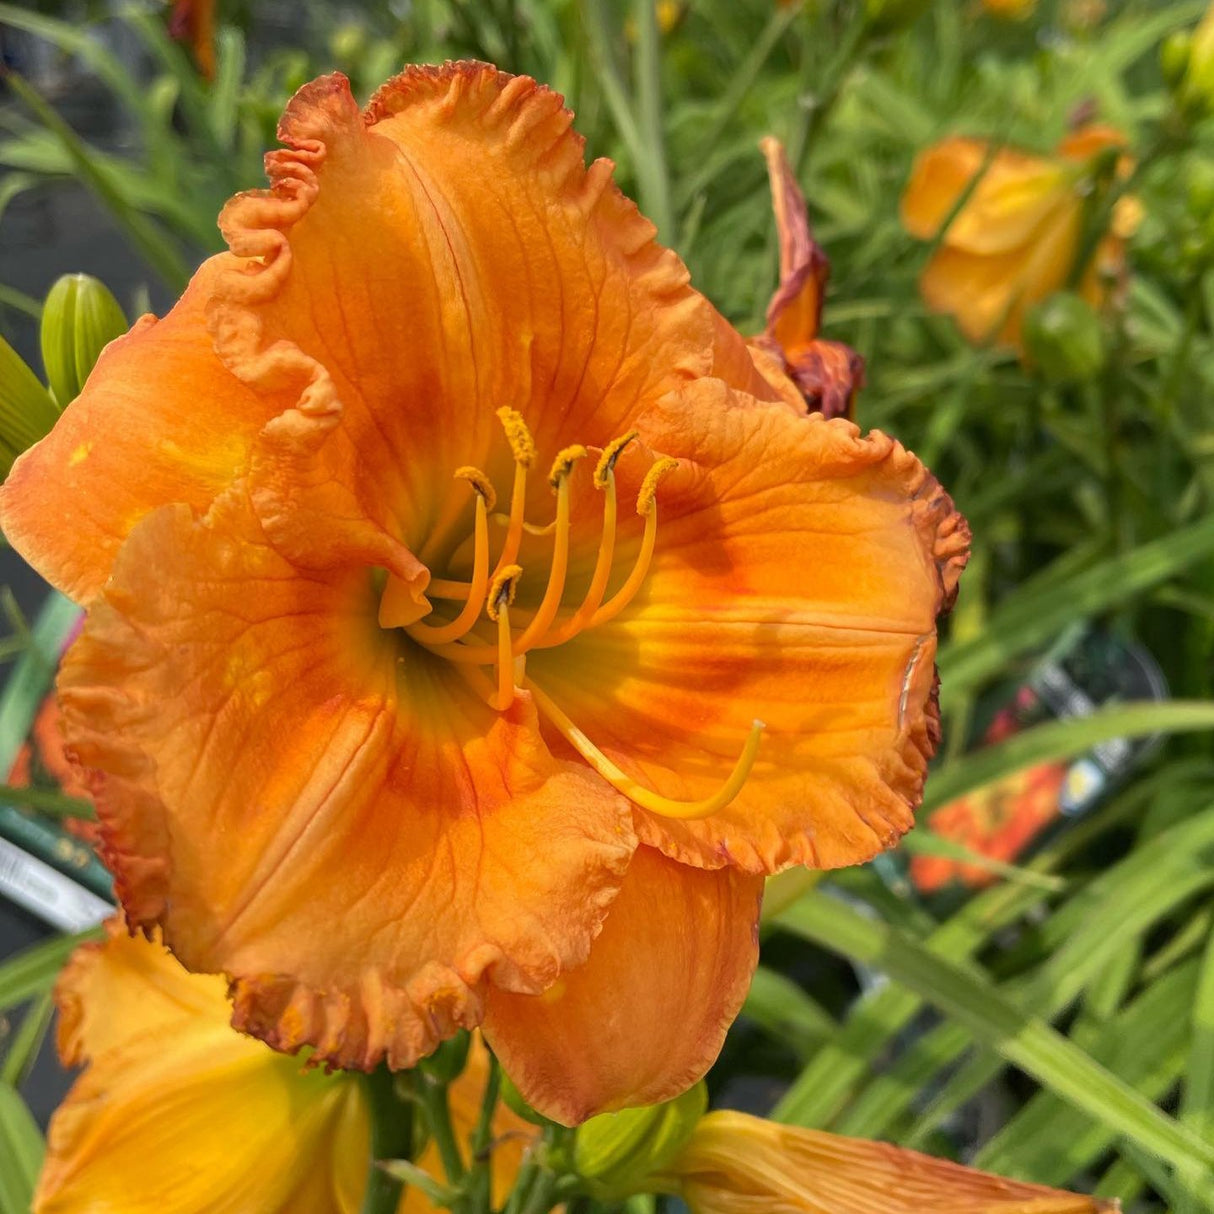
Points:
x=1017, y=235
x=472, y=626
x=828, y=374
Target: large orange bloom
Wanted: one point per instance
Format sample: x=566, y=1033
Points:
x=1016, y=238
x=403, y=730
x=178, y=1114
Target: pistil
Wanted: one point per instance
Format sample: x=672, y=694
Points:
x=636, y=792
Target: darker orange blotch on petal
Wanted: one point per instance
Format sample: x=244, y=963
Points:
x=799, y=572
x=646, y=1016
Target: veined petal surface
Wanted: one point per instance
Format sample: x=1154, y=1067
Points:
x=798, y=573
x=357, y=843
x=468, y=261
x=645, y=1017
x=160, y=420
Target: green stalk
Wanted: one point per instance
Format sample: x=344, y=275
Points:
x=432, y=1093
x=391, y=1138
x=653, y=174
x=480, y=1176
x=818, y=102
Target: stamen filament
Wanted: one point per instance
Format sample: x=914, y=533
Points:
x=515, y=522
x=599, y=579
x=442, y=588
x=646, y=798
x=647, y=506
x=505, y=662
x=501, y=595
x=550, y=604
x=442, y=634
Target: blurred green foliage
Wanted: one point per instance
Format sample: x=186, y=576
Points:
x=1073, y=1022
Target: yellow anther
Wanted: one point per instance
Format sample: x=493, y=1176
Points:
x=636, y=792
x=647, y=495
x=480, y=482
x=562, y=466
x=522, y=445
x=501, y=590
x=612, y=452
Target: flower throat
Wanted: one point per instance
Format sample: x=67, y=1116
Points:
x=496, y=670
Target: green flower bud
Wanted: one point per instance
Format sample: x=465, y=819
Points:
x=1198, y=86
x=1063, y=339
x=27, y=411
x=79, y=319
x=1174, y=56
x=615, y=1154
x=512, y=1098
x=447, y=1062
x=1199, y=186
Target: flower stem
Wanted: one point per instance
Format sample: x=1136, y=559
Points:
x=432, y=1093
x=653, y=174
x=391, y=1138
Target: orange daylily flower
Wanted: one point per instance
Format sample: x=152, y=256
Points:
x=405, y=732
x=178, y=1114
x=827, y=374
x=1016, y=238
x=737, y=1164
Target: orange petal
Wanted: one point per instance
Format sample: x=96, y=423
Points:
x=399, y=845
x=160, y=420
x=1015, y=195
x=444, y=255
x=988, y=295
x=1087, y=141
x=645, y=1017
x=738, y=1164
x=798, y=575
x=176, y=1111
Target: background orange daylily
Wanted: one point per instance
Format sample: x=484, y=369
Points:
x=382, y=838
x=1017, y=235
x=176, y=1112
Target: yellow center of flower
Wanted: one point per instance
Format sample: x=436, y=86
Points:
x=496, y=669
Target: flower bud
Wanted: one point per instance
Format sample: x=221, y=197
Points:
x=1063, y=338
x=1174, y=56
x=512, y=1098
x=79, y=319
x=447, y=1061
x=1199, y=187
x=27, y=412
x=616, y=1153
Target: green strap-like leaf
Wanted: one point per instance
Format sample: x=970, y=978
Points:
x=968, y=996
x=21, y=1150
